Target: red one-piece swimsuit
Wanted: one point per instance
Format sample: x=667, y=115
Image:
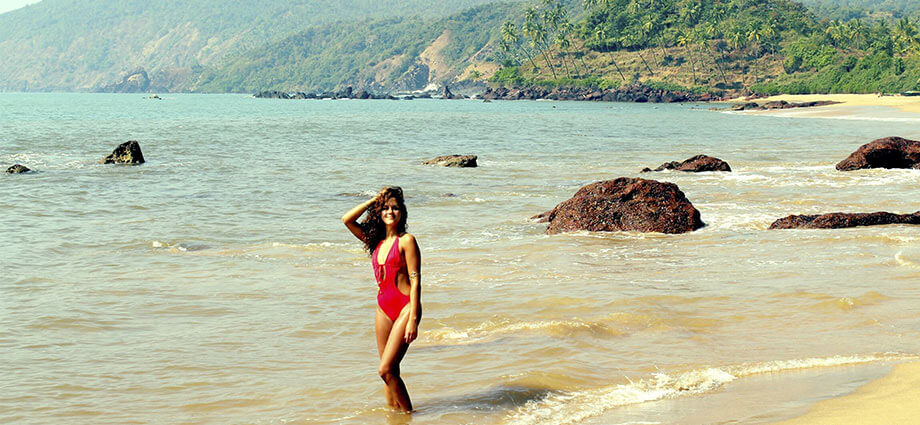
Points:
x=390, y=300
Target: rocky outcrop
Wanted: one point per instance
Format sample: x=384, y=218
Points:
x=632, y=93
x=625, y=204
x=778, y=104
x=415, y=78
x=453, y=161
x=18, y=169
x=694, y=164
x=135, y=82
x=843, y=220
x=447, y=94
x=346, y=93
x=888, y=152
x=126, y=153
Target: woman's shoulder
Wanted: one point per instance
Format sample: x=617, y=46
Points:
x=407, y=238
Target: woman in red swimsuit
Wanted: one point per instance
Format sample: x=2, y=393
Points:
x=396, y=261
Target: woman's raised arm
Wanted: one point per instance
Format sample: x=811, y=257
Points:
x=351, y=218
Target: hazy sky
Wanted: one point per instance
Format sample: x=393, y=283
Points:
x=8, y=5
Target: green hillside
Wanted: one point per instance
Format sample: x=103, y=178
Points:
x=82, y=44
x=376, y=54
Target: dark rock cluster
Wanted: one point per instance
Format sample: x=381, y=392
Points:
x=625, y=204
x=694, y=164
x=778, y=104
x=463, y=161
x=346, y=93
x=632, y=93
x=842, y=220
x=888, y=152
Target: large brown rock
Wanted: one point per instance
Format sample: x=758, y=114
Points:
x=842, y=220
x=888, y=152
x=126, y=153
x=453, y=161
x=625, y=204
x=694, y=164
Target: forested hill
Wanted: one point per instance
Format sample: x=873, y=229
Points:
x=381, y=55
x=84, y=44
x=729, y=46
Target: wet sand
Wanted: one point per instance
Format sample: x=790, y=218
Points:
x=889, y=400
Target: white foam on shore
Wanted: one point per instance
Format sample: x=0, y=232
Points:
x=569, y=407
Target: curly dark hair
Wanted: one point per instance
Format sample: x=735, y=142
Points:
x=374, y=229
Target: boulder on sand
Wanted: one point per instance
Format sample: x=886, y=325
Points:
x=453, y=161
x=843, y=220
x=625, y=204
x=695, y=164
x=18, y=169
x=888, y=152
x=126, y=153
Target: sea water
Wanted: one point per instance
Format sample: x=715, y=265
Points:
x=216, y=283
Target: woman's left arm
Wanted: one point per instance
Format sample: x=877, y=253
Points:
x=414, y=267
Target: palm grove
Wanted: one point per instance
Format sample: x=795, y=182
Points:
x=756, y=46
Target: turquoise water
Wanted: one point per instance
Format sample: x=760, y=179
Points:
x=216, y=283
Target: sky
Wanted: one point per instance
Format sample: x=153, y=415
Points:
x=8, y=5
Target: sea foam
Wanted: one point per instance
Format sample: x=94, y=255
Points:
x=568, y=407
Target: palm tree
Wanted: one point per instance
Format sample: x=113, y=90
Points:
x=685, y=40
x=511, y=37
x=601, y=34
x=562, y=40
x=905, y=35
x=711, y=33
x=856, y=27
x=753, y=36
x=534, y=30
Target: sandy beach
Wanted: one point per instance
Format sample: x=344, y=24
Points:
x=903, y=103
x=889, y=400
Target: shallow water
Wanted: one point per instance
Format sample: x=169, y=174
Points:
x=216, y=284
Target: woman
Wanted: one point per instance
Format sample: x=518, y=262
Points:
x=396, y=260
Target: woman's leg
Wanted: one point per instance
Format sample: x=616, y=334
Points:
x=382, y=325
x=392, y=355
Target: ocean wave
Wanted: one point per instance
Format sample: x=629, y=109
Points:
x=613, y=325
x=569, y=407
x=906, y=262
x=179, y=247
x=495, y=328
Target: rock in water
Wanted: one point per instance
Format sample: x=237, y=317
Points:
x=625, y=204
x=18, y=169
x=453, y=161
x=126, y=153
x=843, y=220
x=888, y=152
x=695, y=164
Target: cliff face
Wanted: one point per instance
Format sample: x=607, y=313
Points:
x=135, y=82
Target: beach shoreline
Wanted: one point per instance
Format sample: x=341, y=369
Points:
x=889, y=400
x=904, y=104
